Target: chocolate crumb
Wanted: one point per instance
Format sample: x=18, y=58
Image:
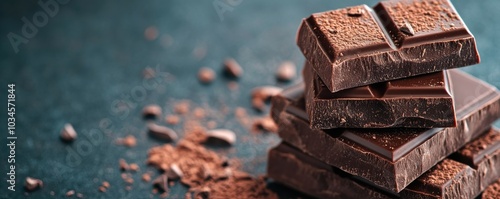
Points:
x=161, y=132
x=265, y=124
x=102, y=189
x=286, y=72
x=128, y=141
x=123, y=166
x=134, y=167
x=221, y=136
x=151, y=111
x=206, y=75
x=161, y=182
x=407, y=29
x=68, y=133
x=262, y=94
x=32, y=184
x=172, y=119
x=106, y=184
x=70, y=193
x=232, y=68
x=148, y=73
x=146, y=177
x=182, y=107
x=232, y=85
x=151, y=33
x=199, y=113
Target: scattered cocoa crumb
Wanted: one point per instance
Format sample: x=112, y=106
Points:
x=161, y=182
x=211, y=124
x=286, y=71
x=148, y=73
x=206, y=75
x=232, y=85
x=128, y=141
x=187, y=195
x=70, y=193
x=196, y=134
x=146, y=177
x=68, y=133
x=102, y=189
x=203, y=169
x=151, y=33
x=262, y=94
x=182, y=107
x=199, y=113
x=161, y=132
x=265, y=124
x=172, y=119
x=221, y=137
x=32, y=184
x=129, y=180
x=134, y=167
x=151, y=111
x=106, y=184
x=123, y=165
x=232, y=68
x=240, y=112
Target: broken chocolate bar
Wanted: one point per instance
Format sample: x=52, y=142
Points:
x=416, y=102
x=393, y=157
x=358, y=46
x=448, y=179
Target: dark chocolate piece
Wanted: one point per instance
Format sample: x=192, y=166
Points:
x=448, y=179
x=394, y=157
x=399, y=39
x=416, y=102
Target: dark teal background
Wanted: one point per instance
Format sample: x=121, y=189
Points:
x=91, y=55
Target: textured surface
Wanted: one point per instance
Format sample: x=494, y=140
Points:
x=92, y=53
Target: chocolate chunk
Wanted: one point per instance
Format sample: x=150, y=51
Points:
x=32, y=184
x=286, y=71
x=448, y=179
x=421, y=101
x=221, y=136
x=351, y=47
x=151, y=111
x=68, y=133
x=232, y=68
x=387, y=157
x=161, y=132
x=206, y=75
x=161, y=182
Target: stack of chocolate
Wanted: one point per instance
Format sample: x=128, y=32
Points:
x=381, y=113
